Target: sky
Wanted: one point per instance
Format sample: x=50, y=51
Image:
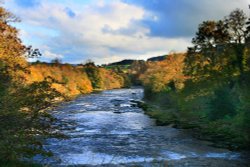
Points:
x=106, y=31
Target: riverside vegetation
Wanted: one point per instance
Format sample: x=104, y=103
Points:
x=205, y=89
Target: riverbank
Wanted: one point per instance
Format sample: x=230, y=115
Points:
x=167, y=116
x=18, y=164
x=37, y=99
x=108, y=129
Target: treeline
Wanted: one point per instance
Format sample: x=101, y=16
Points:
x=71, y=81
x=27, y=90
x=207, y=88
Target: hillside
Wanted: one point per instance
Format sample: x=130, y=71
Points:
x=71, y=80
x=123, y=62
x=157, y=58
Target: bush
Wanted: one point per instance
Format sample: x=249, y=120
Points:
x=222, y=105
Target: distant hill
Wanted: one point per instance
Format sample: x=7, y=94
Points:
x=123, y=62
x=131, y=61
x=158, y=58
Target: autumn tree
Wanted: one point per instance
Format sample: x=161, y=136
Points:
x=165, y=75
x=11, y=48
x=20, y=103
x=11, y=54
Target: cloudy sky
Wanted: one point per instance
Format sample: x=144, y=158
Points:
x=111, y=30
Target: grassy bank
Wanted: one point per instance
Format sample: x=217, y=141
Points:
x=18, y=164
x=221, y=133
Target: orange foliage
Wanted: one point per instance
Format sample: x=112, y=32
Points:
x=71, y=81
x=110, y=79
x=159, y=74
x=66, y=79
x=11, y=48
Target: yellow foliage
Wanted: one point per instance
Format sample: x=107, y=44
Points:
x=66, y=79
x=159, y=74
x=12, y=50
x=71, y=81
x=110, y=79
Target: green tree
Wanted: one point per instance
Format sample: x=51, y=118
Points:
x=209, y=34
x=93, y=73
x=56, y=61
x=248, y=30
x=236, y=22
x=218, y=47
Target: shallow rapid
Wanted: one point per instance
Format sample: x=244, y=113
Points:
x=108, y=129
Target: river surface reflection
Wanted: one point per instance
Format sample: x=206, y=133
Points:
x=108, y=129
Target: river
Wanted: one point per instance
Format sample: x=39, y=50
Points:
x=108, y=129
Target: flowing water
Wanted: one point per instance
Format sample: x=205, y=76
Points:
x=108, y=129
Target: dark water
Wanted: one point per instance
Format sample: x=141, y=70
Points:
x=107, y=129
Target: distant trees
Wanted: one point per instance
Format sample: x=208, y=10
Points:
x=89, y=62
x=137, y=68
x=56, y=61
x=94, y=75
x=164, y=76
x=67, y=79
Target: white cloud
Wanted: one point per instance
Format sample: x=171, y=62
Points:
x=50, y=55
x=83, y=37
